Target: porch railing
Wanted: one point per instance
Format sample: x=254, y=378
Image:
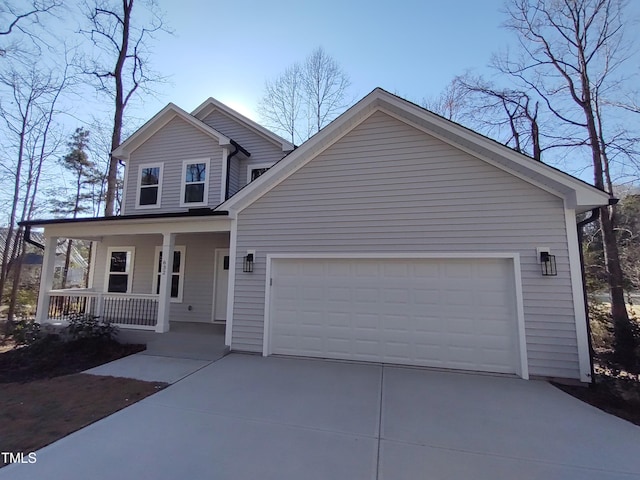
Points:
x=129, y=310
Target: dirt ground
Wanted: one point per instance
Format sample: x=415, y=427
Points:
x=37, y=413
x=616, y=393
x=43, y=398
x=53, y=358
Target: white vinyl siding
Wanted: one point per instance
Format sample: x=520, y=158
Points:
x=262, y=150
x=198, y=270
x=387, y=187
x=175, y=143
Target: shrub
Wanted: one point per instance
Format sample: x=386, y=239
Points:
x=601, y=326
x=25, y=332
x=89, y=327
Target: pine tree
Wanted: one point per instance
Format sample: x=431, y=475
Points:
x=84, y=173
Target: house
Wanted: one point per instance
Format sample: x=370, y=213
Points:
x=32, y=262
x=393, y=235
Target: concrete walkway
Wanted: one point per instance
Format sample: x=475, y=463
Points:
x=169, y=357
x=245, y=416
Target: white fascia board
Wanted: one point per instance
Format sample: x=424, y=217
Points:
x=158, y=121
x=212, y=104
x=475, y=154
x=586, y=195
x=559, y=183
x=94, y=230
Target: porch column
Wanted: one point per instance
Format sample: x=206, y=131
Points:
x=166, y=270
x=46, y=278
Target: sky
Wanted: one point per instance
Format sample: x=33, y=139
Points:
x=228, y=50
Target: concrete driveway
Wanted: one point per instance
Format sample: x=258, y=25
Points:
x=248, y=417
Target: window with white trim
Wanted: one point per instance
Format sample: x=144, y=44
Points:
x=195, y=182
x=149, y=185
x=177, y=272
x=254, y=171
x=119, y=271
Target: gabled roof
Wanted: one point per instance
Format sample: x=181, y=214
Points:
x=158, y=121
x=212, y=104
x=578, y=194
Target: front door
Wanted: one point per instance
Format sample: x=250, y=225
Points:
x=221, y=285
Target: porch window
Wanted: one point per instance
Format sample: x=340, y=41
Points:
x=254, y=171
x=177, y=272
x=149, y=185
x=119, y=269
x=195, y=182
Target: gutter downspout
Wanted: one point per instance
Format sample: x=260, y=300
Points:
x=27, y=238
x=236, y=149
x=595, y=215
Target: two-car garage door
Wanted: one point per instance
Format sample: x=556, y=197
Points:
x=449, y=313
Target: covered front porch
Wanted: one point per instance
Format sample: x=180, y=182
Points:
x=149, y=273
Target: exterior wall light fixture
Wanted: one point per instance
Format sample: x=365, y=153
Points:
x=547, y=262
x=247, y=266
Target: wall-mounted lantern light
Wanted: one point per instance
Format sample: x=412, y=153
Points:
x=548, y=264
x=247, y=266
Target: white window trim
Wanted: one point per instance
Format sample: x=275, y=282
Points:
x=256, y=166
x=183, y=183
x=129, y=270
x=182, y=249
x=158, y=204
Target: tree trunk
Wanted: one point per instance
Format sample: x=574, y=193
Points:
x=67, y=262
x=112, y=177
x=17, y=271
x=88, y=272
x=625, y=342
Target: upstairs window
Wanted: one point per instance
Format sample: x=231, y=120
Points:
x=177, y=273
x=149, y=185
x=195, y=183
x=254, y=171
x=119, y=269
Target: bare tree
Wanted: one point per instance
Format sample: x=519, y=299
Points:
x=570, y=52
x=121, y=66
x=281, y=104
x=452, y=103
x=23, y=17
x=510, y=115
x=28, y=107
x=325, y=85
x=305, y=97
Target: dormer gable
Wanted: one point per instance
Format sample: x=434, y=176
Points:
x=173, y=163
x=211, y=105
x=158, y=121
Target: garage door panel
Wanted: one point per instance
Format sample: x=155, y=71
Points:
x=434, y=312
x=427, y=325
